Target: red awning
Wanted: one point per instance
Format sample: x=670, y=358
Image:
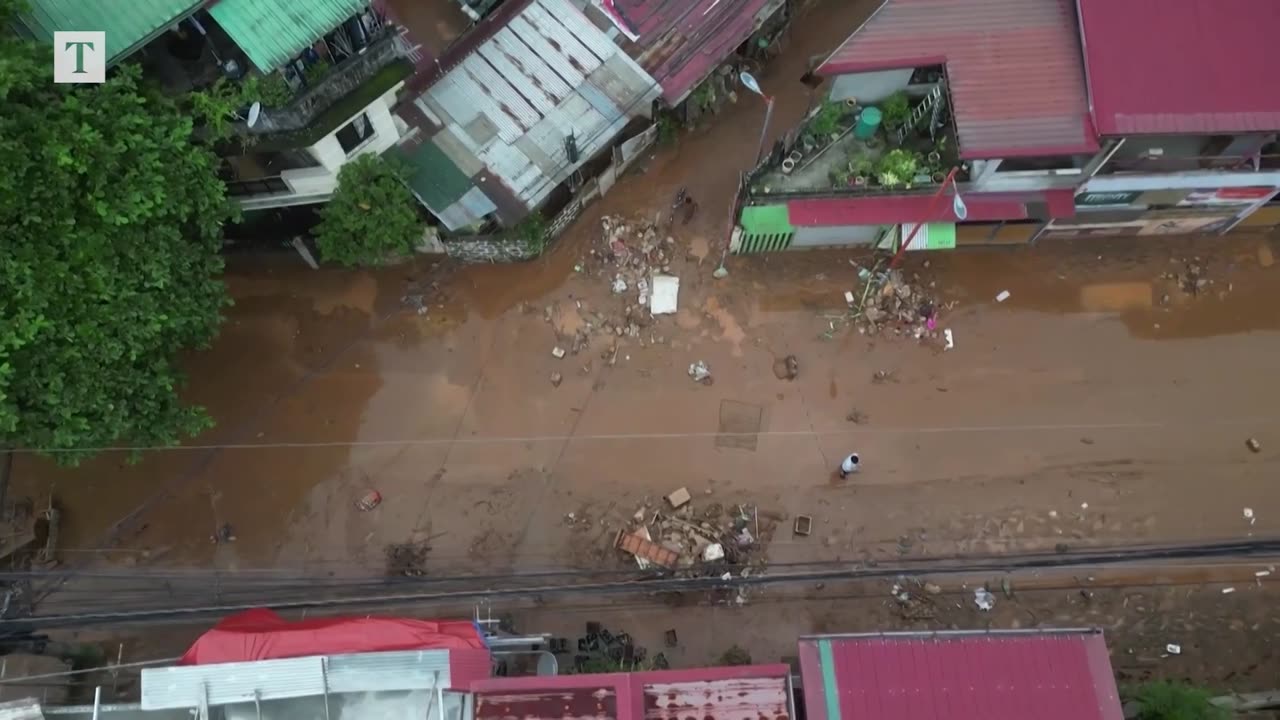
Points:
x=897, y=209
x=1189, y=66
x=263, y=635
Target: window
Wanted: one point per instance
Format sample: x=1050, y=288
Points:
x=1066, y=165
x=355, y=133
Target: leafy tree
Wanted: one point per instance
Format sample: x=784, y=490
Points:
x=111, y=224
x=372, y=216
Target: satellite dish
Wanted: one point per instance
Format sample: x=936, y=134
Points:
x=958, y=207
x=749, y=81
x=255, y=110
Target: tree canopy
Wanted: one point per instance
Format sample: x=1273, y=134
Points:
x=372, y=217
x=111, y=223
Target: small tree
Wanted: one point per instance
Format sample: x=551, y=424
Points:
x=371, y=218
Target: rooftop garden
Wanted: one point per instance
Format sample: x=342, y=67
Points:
x=896, y=145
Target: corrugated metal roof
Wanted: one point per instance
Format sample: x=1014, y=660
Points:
x=548, y=75
x=184, y=686
x=752, y=692
x=959, y=676
x=680, y=43
x=385, y=671
x=1192, y=66
x=895, y=209
x=24, y=709
x=129, y=24
x=435, y=178
x=271, y=32
x=1014, y=70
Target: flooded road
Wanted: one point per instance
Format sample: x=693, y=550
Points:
x=1087, y=388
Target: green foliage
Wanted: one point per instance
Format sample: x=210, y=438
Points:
x=862, y=166
x=735, y=656
x=271, y=90
x=372, y=217
x=897, y=168
x=315, y=72
x=533, y=232
x=1166, y=700
x=215, y=108
x=839, y=177
x=896, y=110
x=111, y=223
x=826, y=121
x=704, y=97
x=668, y=129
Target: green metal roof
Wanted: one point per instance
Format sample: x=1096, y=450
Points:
x=129, y=24
x=436, y=179
x=271, y=32
x=766, y=220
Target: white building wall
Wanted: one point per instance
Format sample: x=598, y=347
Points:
x=317, y=184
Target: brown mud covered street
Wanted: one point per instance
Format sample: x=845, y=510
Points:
x=1107, y=401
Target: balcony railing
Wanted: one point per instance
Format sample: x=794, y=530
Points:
x=338, y=82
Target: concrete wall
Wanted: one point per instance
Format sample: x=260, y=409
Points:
x=811, y=237
x=489, y=249
x=870, y=87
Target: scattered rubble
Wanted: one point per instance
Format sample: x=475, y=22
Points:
x=700, y=372
x=857, y=417
x=369, y=501
x=889, y=303
x=705, y=541
x=983, y=599
x=557, y=352
x=602, y=651
x=803, y=525
x=556, y=379
x=407, y=559
x=1253, y=445
x=787, y=368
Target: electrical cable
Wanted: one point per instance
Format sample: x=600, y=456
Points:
x=307, y=599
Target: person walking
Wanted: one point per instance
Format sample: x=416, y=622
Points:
x=849, y=465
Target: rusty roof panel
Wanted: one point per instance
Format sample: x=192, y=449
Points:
x=596, y=702
x=747, y=698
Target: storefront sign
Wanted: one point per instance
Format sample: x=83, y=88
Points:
x=1106, y=198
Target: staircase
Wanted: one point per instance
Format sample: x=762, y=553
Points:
x=931, y=105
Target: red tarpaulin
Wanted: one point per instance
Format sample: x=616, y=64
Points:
x=263, y=635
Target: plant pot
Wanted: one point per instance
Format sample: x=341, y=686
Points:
x=851, y=103
x=939, y=177
x=788, y=165
x=795, y=156
x=860, y=181
x=935, y=157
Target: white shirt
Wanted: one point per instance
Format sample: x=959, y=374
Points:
x=850, y=464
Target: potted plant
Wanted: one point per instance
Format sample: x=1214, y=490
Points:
x=897, y=168
x=862, y=168
x=896, y=110
x=935, y=157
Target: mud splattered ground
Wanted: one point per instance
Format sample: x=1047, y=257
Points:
x=1086, y=408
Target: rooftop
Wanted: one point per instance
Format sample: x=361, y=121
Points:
x=129, y=24
x=749, y=692
x=681, y=41
x=272, y=32
x=1192, y=66
x=998, y=675
x=1013, y=69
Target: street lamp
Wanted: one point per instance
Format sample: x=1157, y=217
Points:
x=958, y=207
x=749, y=82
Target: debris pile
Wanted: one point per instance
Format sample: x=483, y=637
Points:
x=713, y=540
x=603, y=651
x=889, y=302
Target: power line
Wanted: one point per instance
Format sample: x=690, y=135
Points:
x=380, y=595
x=611, y=437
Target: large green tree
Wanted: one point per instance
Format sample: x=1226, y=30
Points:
x=110, y=228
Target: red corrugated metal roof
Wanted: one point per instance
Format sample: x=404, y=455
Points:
x=959, y=676
x=1013, y=69
x=895, y=209
x=682, y=41
x=752, y=692
x=1191, y=66
x=467, y=666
